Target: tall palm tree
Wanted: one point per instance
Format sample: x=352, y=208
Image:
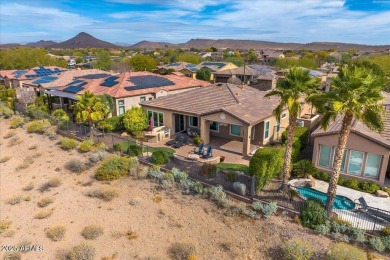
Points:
x=355, y=95
x=89, y=108
x=297, y=84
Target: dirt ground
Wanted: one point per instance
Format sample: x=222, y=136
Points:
x=176, y=218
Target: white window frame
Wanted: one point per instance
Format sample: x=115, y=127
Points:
x=379, y=168
x=158, y=117
x=334, y=149
x=140, y=99
x=121, y=106
x=216, y=131
x=349, y=162
x=190, y=123
x=267, y=130
x=230, y=130
x=252, y=133
x=277, y=126
x=283, y=116
x=330, y=159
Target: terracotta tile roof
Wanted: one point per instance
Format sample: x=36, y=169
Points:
x=6, y=73
x=246, y=104
x=123, y=81
x=32, y=73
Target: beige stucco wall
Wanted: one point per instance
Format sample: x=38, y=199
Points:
x=357, y=143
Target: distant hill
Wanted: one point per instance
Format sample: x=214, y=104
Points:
x=83, y=40
x=40, y=43
x=248, y=44
x=10, y=45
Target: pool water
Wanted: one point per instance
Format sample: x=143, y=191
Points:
x=340, y=202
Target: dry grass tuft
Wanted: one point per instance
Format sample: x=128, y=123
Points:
x=157, y=198
x=117, y=234
x=82, y=251
x=26, y=163
x=106, y=194
x=9, y=233
x=36, y=155
x=14, y=141
x=44, y=214
x=29, y=186
x=5, y=159
x=27, y=198
x=54, y=182
x=56, y=233
x=92, y=232
x=9, y=134
x=33, y=147
x=4, y=225
x=13, y=256
x=45, y=202
x=131, y=235
x=182, y=251
x=16, y=199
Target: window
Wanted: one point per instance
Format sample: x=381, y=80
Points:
x=355, y=162
x=214, y=126
x=158, y=118
x=284, y=115
x=372, y=165
x=325, y=152
x=266, y=130
x=343, y=161
x=277, y=126
x=235, y=130
x=141, y=99
x=194, y=121
x=253, y=133
x=121, y=105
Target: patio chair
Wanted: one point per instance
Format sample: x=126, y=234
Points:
x=181, y=143
x=199, y=150
x=178, y=138
x=208, y=154
x=190, y=132
x=373, y=211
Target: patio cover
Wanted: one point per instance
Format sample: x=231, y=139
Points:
x=58, y=93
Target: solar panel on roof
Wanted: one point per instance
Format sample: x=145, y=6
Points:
x=109, y=82
x=218, y=64
x=143, y=82
x=46, y=79
x=75, y=88
x=93, y=76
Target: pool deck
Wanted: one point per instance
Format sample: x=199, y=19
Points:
x=372, y=200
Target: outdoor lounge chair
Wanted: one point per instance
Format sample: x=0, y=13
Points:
x=208, y=154
x=178, y=138
x=181, y=143
x=373, y=211
x=199, y=150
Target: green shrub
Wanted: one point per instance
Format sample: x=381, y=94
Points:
x=115, y=167
x=352, y=183
x=86, y=145
x=369, y=186
x=265, y=164
x=38, y=126
x=197, y=140
x=230, y=176
x=303, y=168
x=386, y=230
x=56, y=233
x=240, y=188
x=112, y=124
x=297, y=250
x=343, y=251
x=209, y=170
x=82, y=251
x=68, y=143
x=159, y=157
x=386, y=242
x=135, y=120
x=387, y=189
x=323, y=176
x=302, y=133
x=5, y=111
x=296, y=152
x=92, y=232
x=313, y=214
x=341, y=181
x=134, y=150
x=60, y=115
x=377, y=244
x=179, y=175
x=16, y=122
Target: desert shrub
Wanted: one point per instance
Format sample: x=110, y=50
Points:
x=131, y=235
x=4, y=225
x=387, y=189
x=265, y=164
x=142, y=172
x=115, y=167
x=112, y=124
x=198, y=187
x=60, y=115
x=386, y=230
x=230, y=176
x=16, y=199
x=9, y=134
x=159, y=157
x=33, y=147
x=297, y=250
x=352, y=183
x=106, y=194
x=43, y=214
x=75, y=165
x=266, y=209
x=386, y=242
x=92, y=232
x=341, y=251
x=156, y=173
x=182, y=251
x=219, y=196
x=56, y=233
x=38, y=126
x=5, y=111
x=359, y=235
x=134, y=150
x=25, y=164
x=97, y=156
x=86, y=145
x=5, y=159
x=301, y=133
x=13, y=256
x=209, y=170
x=29, y=186
x=14, y=141
x=303, y=168
x=102, y=146
x=369, y=186
x=322, y=176
x=323, y=229
x=16, y=122
x=313, y=214
x=68, y=143
x=377, y=244
x=82, y=251
x=45, y=202
x=179, y=175
x=240, y=188
x=54, y=182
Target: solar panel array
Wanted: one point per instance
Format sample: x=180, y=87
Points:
x=174, y=64
x=218, y=64
x=110, y=82
x=19, y=73
x=143, y=82
x=93, y=76
x=75, y=88
x=42, y=72
x=43, y=80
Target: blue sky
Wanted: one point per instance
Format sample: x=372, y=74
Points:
x=130, y=21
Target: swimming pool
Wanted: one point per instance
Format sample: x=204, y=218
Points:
x=340, y=202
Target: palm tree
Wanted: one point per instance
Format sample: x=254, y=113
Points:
x=89, y=108
x=297, y=84
x=355, y=95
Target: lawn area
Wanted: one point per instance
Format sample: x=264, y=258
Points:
x=149, y=149
x=233, y=167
